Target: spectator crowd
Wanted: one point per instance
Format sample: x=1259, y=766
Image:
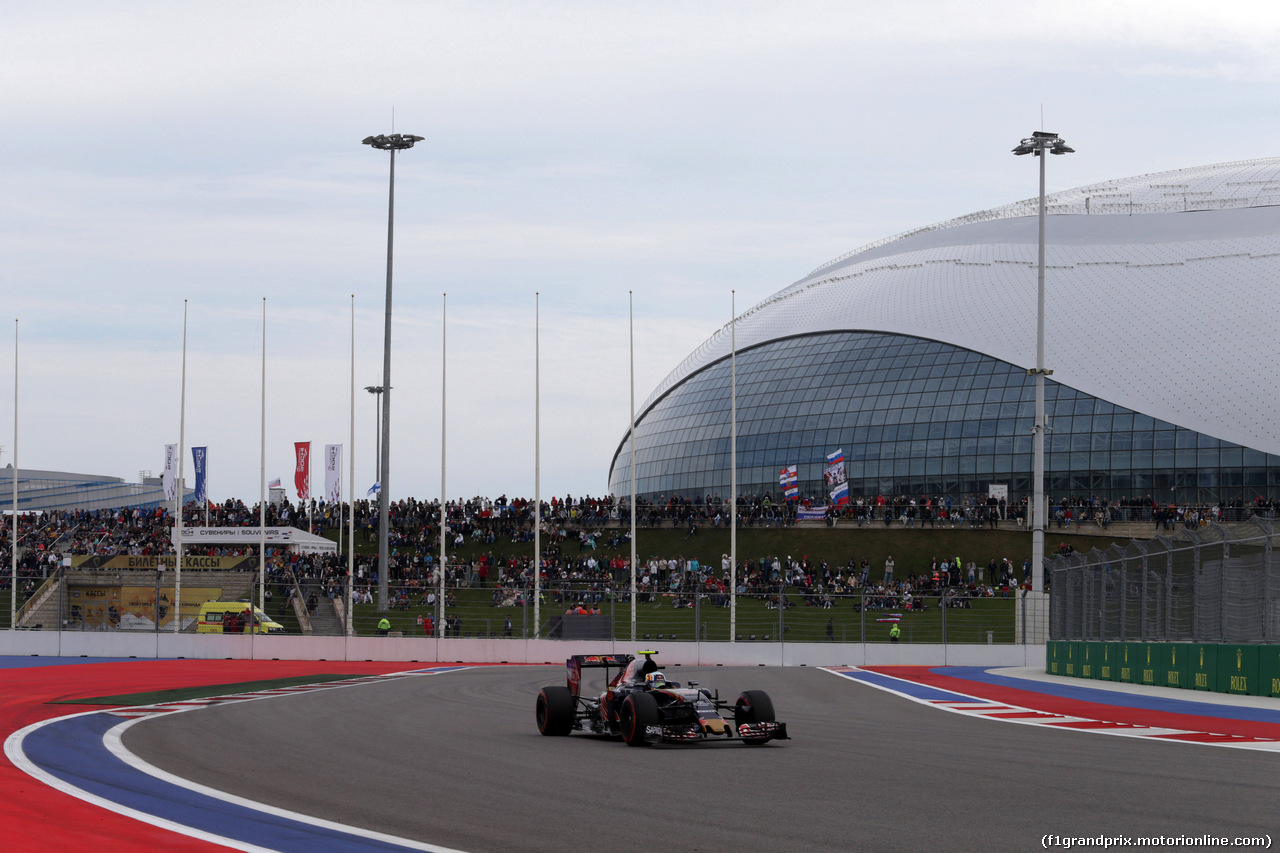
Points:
x=585, y=545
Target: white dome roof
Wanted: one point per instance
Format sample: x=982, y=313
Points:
x=1162, y=295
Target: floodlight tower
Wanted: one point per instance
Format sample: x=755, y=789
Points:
x=1038, y=143
x=376, y=391
x=393, y=143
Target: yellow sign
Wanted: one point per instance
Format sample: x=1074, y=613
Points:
x=166, y=562
x=133, y=607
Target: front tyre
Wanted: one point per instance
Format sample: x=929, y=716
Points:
x=753, y=706
x=554, y=711
x=639, y=712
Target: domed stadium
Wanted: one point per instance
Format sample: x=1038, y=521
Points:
x=911, y=354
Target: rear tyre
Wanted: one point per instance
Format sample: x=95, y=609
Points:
x=554, y=711
x=639, y=712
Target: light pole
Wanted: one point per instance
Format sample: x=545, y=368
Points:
x=376, y=391
x=1038, y=143
x=393, y=143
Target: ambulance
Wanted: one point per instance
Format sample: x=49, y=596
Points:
x=213, y=614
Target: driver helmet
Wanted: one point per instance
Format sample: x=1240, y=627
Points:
x=655, y=680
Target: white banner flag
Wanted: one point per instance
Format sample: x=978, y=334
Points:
x=170, y=475
x=333, y=473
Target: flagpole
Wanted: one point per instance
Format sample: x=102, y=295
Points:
x=178, y=495
x=13, y=562
x=351, y=476
x=262, y=477
x=733, y=466
x=537, y=462
x=444, y=353
x=631, y=332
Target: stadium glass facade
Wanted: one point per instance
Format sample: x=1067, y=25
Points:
x=918, y=417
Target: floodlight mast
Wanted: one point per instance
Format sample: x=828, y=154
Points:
x=376, y=390
x=393, y=143
x=1038, y=143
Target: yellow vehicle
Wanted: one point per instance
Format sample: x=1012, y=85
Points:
x=232, y=617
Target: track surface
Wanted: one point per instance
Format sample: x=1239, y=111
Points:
x=35, y=817
x=456, y=760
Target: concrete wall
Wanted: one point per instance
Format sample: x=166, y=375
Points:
x=102, y=644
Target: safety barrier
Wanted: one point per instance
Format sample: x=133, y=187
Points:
x=1252, y=670
x=168, y=645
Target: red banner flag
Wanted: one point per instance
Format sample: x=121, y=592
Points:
x=302, y=474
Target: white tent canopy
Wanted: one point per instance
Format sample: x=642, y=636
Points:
x=280, y=537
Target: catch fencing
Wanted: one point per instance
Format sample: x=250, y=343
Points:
x=1213, y=584
x=863, y=616
x=471, y=611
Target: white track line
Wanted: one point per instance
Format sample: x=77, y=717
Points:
x=113, y=741
x=990, y=710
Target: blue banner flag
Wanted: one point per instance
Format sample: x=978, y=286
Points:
x=200, y=456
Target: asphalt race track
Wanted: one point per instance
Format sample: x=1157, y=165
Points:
x=456, y=760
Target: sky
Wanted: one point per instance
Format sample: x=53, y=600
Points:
x=597, y=172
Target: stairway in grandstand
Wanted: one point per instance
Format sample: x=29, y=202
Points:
x=325, y=622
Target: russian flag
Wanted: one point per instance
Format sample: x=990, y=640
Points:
x=840, y=494
x=790, y=482
x=836, y=458
x=274, y=484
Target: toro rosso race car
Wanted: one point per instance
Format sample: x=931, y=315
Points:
x=642, y=707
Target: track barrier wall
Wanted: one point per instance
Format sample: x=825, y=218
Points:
x=1246, y=669
x=515, y=651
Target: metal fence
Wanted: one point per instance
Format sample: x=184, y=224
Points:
x=861, y=616
x=1211, y=584
x=507, y=612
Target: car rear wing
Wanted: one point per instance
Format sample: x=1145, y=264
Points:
x=577, y=663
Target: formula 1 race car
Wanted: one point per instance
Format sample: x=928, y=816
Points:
x=642, y=707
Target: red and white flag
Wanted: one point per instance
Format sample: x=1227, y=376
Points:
x=302, y=473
